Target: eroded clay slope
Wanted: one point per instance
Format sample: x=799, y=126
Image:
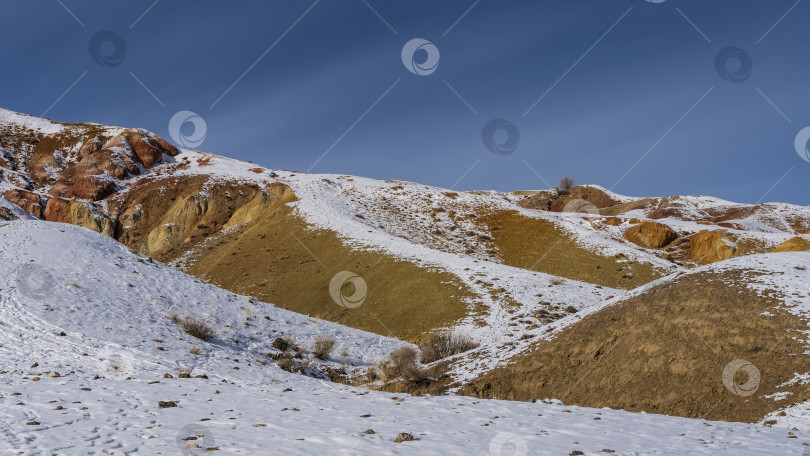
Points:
x=665, y=350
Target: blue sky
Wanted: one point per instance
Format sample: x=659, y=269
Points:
x=620, y=93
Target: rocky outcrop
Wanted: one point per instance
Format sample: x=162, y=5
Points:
x=191, y=217
x=711, y=246
x=651, y=235
x=42, y=165
x=593, y=195
x=6, y=215
x=736, y=213
x=28, y=201
x=79, y=213
x=555, y=202
x=178, y=223
x=131, y=216
x=58, y=210
x=90, y=146
x=147, y=148
x=266, y=201
x=665, y=212
x=86, y=215
x=93, y=188
x=121, y=157
x=796, y=244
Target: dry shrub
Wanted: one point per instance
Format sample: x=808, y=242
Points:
x=402, y=363
x=372, y=375
x=195, y=350
x=323, y=346
x=283, y=344
x=445, y=344
x=197, y=327
x=565, y=185
x=286, y=361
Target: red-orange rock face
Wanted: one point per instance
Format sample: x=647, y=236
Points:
x=29, y=202
x=58, y=210
x=120, y=157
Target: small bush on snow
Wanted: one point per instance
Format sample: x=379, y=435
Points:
x=197, y=327
x=445, y=344
x=402, y=363
x=323, y=346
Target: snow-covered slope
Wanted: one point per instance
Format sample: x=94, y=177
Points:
x=116, y=307
x=81, y=321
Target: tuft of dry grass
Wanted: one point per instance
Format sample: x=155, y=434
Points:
x=195, y=350
x=402, y=363
x=197, y=327
x=372, y=375
x=323, y=346
x=445, y=344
